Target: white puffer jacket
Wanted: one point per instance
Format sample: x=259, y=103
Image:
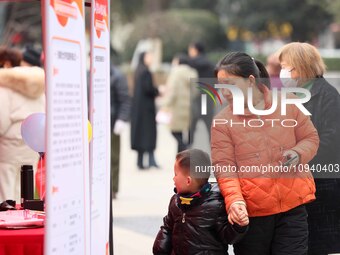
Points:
x=21, y=94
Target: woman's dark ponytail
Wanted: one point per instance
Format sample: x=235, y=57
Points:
x=264, y=76
x=241, y=64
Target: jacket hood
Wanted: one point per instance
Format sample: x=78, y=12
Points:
x=28, y=81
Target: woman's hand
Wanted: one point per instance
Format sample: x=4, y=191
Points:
x=290, y=154
x=238, y=214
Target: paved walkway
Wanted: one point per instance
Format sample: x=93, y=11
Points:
x=143, y=197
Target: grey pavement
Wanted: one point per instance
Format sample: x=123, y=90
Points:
x=143, y=196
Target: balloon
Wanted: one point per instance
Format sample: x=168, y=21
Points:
x=89, y=130
x=33, y=131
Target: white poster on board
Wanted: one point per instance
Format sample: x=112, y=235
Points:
x=67, y=158
x=100, y=119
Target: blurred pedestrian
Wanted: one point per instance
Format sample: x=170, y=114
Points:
x=21, y=94
x=9, y=57
x=274, y=200
x=177, y=99
x=31, y=56
x=302, y=66
x=273, y=67
x=143, y=113
x=25, y=76
x=197, y=222
x=205, y=70
x=120, y=115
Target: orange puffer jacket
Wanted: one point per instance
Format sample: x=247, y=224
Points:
x=240, y=145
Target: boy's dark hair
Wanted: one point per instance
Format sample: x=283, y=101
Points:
x=241, y=64
x=188, y=160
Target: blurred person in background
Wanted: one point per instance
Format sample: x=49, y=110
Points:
x=302, y=66
x=9, y=57
x=177, y=99
x=205, y=69
x=23, y=77
x=273, y=67
x=143, y=113
x=31, y=56
x=120, y=115
x=21, y=94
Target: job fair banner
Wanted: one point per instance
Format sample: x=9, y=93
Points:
x=68, y=207
x=100, y=119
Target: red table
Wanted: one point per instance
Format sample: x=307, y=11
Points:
x=22, y=242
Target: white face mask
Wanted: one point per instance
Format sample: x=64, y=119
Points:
x=286, y=79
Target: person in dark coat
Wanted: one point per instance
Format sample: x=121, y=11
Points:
x=197, y=222
x=205, y=70
x=143, y=114
x=306, y=68
x=120, y=115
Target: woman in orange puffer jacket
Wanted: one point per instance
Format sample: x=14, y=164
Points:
x=247, y=152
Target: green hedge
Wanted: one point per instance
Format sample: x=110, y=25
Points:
x=333, y=64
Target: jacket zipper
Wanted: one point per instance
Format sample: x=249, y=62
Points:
x=278, y=190
x=270, y=157
x=266, y=141
x=183, y=218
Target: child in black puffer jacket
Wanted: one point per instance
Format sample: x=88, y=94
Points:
x=197, y=222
